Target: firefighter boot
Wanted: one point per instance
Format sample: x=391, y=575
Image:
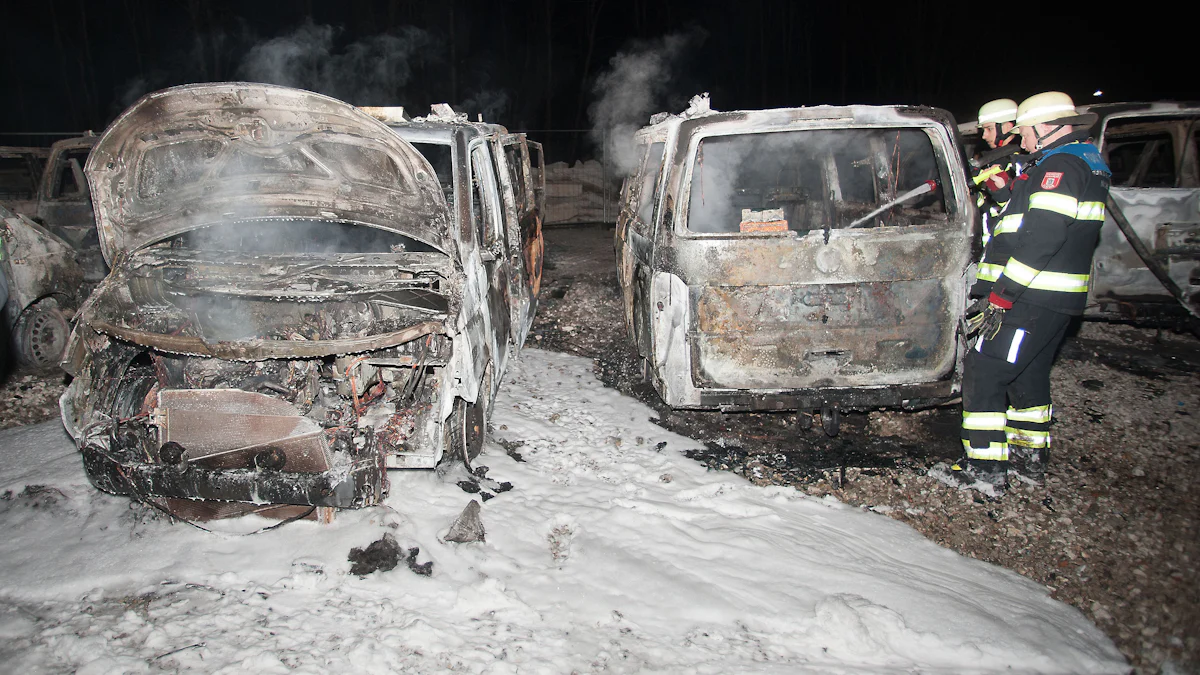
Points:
x=987, y=476
x=1029, y=464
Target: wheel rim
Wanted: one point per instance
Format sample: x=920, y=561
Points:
x=43, y=337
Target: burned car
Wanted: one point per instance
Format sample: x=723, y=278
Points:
x=1153, y=150
x=293, y=306
x=798, y=259
x=44, y=279
x=54, y=257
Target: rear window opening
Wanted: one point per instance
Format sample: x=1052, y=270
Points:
x=296, y=236
x=798, y=181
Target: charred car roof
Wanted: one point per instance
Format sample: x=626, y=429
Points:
x=200, y=154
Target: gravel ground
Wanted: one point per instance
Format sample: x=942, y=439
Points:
x=1112, y=532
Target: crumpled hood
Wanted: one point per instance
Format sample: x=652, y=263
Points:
x=199, y=154
x=252, y=307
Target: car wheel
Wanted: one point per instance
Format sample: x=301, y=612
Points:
x=468, y=430
x=40, y=336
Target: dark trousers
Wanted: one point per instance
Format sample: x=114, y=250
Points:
x=1006, y=384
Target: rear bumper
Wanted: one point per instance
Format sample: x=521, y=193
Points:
x=909, y=396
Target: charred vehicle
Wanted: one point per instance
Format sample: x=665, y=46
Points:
x=293, y=306
x=495, y=184
x=1153, y=150
x=798, y=259
x=54, y=256
x=45, y=284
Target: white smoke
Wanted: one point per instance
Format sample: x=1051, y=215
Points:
x=637, y=84
x=370, y=71
x=492, y=104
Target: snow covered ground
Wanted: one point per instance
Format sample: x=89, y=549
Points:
x=612, y=553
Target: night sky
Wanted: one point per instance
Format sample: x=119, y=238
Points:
x=70, y=65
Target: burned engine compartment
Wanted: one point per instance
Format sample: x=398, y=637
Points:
x=292, y=378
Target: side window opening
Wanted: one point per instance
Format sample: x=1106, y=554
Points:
x=1149, y=152
x=1146, y=160
x=70, y=183
x=807, y=180
x=485, y=203
x=17, y=178
x=441, y=157
x=516, y=162
x=648, y=183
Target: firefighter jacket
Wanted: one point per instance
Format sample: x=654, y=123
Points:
x=1041, y=246
x=991, y=198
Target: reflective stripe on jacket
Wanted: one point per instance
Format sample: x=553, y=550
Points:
x=1045, y=237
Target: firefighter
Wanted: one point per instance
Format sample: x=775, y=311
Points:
x=997, y=128
x=997, y=120
x=1042, y=245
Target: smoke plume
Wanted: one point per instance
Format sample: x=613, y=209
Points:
x=637, y=84
x=370, y=71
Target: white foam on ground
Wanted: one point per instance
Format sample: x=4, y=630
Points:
x=608, y=555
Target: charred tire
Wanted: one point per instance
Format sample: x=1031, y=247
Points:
x=40, y=336
x=467, y=430
x=831, y=421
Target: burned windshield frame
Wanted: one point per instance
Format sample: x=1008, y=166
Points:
x=830, y=185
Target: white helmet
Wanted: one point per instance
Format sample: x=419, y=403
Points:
x=1051, y=107
x=998, y=111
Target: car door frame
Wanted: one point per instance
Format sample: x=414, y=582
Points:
x=522, y=233
x=493, y=253
x=635, y=245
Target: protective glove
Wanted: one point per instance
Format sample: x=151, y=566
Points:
x=973, y=316
x=992, y=319
x=993, y=316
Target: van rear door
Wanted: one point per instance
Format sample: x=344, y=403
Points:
x=818, y=255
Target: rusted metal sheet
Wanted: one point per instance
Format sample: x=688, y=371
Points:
x=228, y=428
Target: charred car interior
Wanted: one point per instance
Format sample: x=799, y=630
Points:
x=295, y=304
x=798, y=259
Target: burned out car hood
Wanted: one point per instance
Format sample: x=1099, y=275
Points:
x=192, y=156
x=254, y=307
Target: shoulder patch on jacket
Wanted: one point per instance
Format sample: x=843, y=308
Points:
x=1051, y=180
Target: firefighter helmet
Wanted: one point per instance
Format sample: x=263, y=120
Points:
x=997, y=112
x=1051, y=107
